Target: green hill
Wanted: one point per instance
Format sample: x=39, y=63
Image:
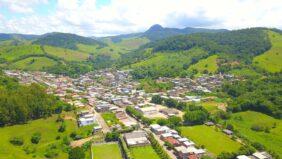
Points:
x=33, y=63
x=208, y=65
x=225, y=52
x=65, y=40
x=271, y=59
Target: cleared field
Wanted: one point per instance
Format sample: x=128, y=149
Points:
x=132, y=43
x=213, y=140
x=243, y=122
x=11, y=52
x=209, y=65
x=66, y=54
x=33, y=63
x=170, y=63
x=48, y=128
x=213, y=106
x=106, y=151
x=144, y=152
x=271, y=59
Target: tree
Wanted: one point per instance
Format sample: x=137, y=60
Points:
x=17, y=141
x=195, y=117
x=157, y=99
x=170, y=103
x=62, y=127
x=112, y=136
x=76, y=153
x=174, y=121
x=162, y=121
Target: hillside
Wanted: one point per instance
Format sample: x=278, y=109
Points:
x=225, y=52
x=271, y=59
x=65, y=40
x=157, y=32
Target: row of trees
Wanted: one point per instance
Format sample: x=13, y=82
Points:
x=139, y=116
x=18, y=103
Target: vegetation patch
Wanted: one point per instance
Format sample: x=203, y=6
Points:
x=211, y=138
x=205, y=66
x=258, y=127
x=110, y=118
x=33, y=63
x=38, y=139
x=66, y=54
x=106, y=151
x=144, y=152
x=271, y=59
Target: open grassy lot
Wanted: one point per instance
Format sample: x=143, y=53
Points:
x=33, y=63
x=271, y=59
x=11, y=52
x=144, y=152
x=209, y=64
x=110, y=118
x=106, y=151
x=213, y=140
x=243, y=122
x=66, y=54
x=213, y=106
x=48, y=128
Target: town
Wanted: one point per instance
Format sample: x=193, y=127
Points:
x=112, y=101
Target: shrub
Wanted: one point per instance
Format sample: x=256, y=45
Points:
x=62, y=128
x=18, y=141
x=77, y=153
x=35, y=138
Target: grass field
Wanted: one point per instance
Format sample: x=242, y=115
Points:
x=106, y=151
x=49, y=131
x=33, y=63
x=244, y=72
x=66, y=54
x=110, y=118
x=214, y=141
x=271, y=59
x=145, y=152
x=243, y=122
x=209, y=64
x=11, y=52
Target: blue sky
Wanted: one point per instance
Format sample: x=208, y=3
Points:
x=111, y=17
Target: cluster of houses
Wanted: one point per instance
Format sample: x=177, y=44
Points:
x=183, y=147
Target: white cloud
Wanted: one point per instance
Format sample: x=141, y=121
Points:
x=21, y=6
x=125, y=16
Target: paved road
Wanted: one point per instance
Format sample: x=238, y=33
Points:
x=102, y=122
x=170, y=153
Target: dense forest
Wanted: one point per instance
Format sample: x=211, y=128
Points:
x=19, y=103
x=262, y=95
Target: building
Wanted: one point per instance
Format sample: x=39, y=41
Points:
x=243, y=157
x=158, y=130
x=150, y=110
x=262, y=155
x=86, y=119
x=136, y=138
x=169, y=111
x=228, y=132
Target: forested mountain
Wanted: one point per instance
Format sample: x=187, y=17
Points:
x=157, y=32
x=65, y=40
x=4, y=36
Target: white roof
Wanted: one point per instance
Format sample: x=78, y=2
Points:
x=166, y=135
x=188, y=143
x=155, y=126
x=260, y=155
x=243, y=157
x=183, y=139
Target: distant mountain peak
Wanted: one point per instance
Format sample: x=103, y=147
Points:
x=156, y=27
